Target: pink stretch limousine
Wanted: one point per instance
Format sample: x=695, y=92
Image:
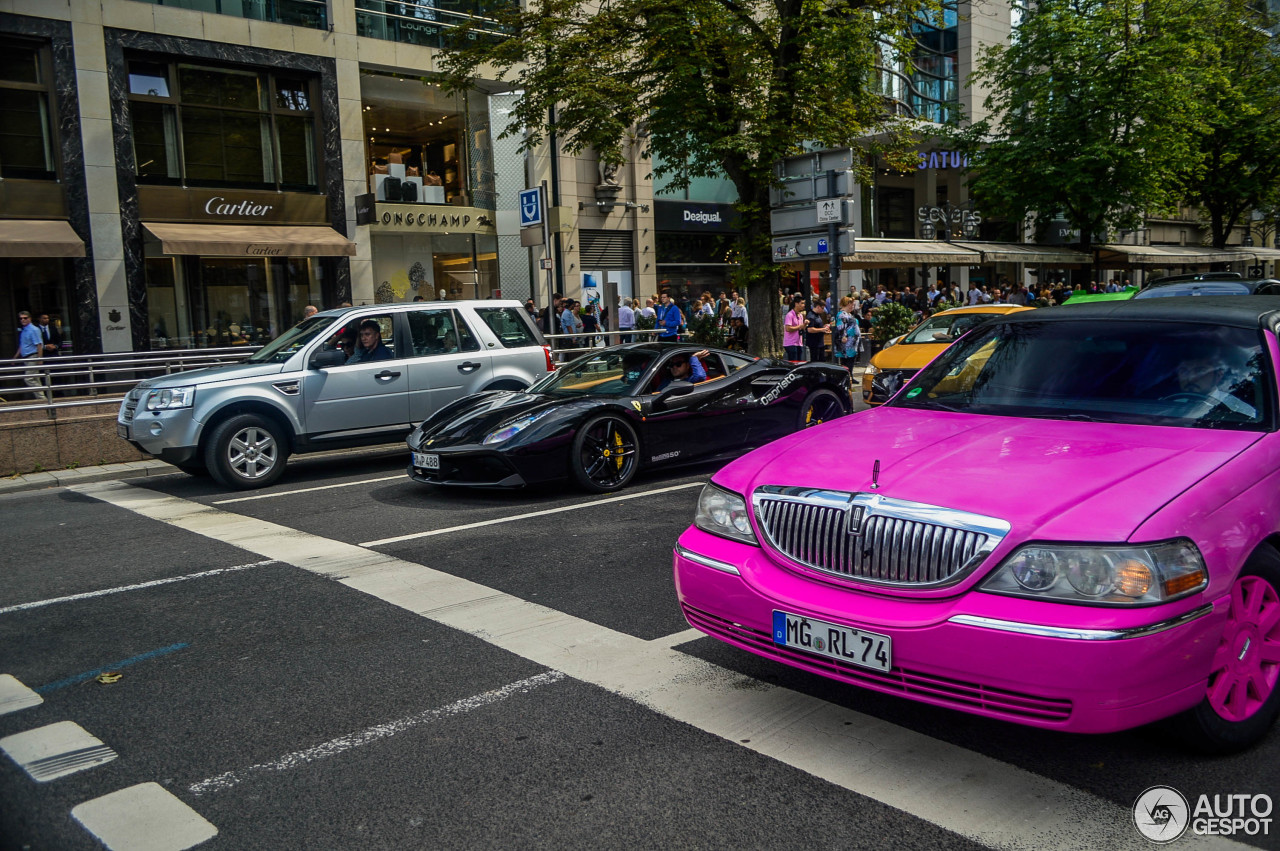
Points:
x=1070, y=519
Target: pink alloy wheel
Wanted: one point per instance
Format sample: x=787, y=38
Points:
x=1247, y=663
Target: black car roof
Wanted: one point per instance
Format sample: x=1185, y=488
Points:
x=1254, y=312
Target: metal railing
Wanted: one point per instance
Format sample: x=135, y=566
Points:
x=566, y=347
x=79, y=380
x=70, y=381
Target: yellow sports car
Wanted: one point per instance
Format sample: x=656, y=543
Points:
x=902, y=358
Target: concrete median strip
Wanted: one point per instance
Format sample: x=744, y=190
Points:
x=145, y=817
x=55, y=750
x=968, y=793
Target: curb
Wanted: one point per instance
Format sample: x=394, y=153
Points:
x=84, y=475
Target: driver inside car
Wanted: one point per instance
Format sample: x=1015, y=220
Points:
x=685, y=366
x=1207, y=377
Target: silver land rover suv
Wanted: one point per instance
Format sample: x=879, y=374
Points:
x=304, y=392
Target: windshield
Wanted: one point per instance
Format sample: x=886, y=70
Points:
x=1196, y=288
x=287, y=344
x=1156, y=373
x=945, y=328
x=612, y=373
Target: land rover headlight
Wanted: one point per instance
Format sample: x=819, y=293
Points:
x=513, y=428
x=724, y=513
x=1104, y=576
x=170, y=398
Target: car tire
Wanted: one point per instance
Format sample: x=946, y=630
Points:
x=246, y=451
x=818, y=407
x=605, y=454
x=1242, y=697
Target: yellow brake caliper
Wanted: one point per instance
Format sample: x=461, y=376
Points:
x=617, y=442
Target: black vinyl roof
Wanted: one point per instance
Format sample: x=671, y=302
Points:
x=1246, y=311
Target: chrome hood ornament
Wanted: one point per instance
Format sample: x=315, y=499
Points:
x=875, y=475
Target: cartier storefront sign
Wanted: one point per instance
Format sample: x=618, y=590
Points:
x=230, y=206
x=432, y=218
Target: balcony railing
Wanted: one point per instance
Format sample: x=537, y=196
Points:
x=298, y=13
x=429, y=23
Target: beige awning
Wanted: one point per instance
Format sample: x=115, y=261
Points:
x=251, y=240
x=1018, y=252
x=871, y=253
x=1169, y=255
x=38, y=238
x=1263, y=253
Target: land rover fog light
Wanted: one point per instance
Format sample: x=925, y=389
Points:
x=156, y=427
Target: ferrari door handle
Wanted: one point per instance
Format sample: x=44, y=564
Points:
x=386, y=375
x=468, y=366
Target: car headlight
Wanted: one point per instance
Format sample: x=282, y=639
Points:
x=871, y=369
x=1104, y=576
x=724, y=513
x=170, y=398
x=511, y=429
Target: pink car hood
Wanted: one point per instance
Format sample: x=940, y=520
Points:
x=1050, y=479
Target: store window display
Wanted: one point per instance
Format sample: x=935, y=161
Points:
x=424, y=146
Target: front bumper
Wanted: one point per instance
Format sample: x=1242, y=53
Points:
x=968, y=652
x=172, y=436
x=880, y=387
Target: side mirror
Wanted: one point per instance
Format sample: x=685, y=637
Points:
x=333, y=357
x=672, y=390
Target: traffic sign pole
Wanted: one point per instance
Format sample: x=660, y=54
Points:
x=546, y=251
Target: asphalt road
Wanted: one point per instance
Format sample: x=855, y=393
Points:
x=352, y=660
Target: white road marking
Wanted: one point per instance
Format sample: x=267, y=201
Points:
x=968, y=793
x=14, y=695
x=56, y=750
x=575, y=507
x=373, y=734
x=310, y=490
x=21, y=607
x=678, y=638
x=146, y=817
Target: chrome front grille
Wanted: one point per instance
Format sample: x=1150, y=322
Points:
x=872, y=538
x=131, y=400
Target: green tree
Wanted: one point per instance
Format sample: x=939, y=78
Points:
x=715, y=86
x=1093, y=106
x=1238, y=169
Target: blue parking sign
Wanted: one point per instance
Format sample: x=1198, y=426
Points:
x=530, y=207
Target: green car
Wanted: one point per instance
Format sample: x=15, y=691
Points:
x=1086, y=298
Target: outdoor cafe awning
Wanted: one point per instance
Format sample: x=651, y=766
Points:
x=1017, y=252
x=879, y=253
x=251, y=240
x=38, y=238
x=1167, y=256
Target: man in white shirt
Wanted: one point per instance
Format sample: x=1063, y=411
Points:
x=648, y=311
x=626, y=316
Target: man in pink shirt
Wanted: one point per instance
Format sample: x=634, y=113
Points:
x=793, y=325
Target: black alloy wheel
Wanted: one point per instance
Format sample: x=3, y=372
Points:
x=819, y=407
x=246, y=451
x=605, y=454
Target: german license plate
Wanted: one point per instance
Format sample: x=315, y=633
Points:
x=855, y=646
x=426, y=461
x=122, y=430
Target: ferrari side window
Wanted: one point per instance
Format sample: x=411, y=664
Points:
x=733, y=363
